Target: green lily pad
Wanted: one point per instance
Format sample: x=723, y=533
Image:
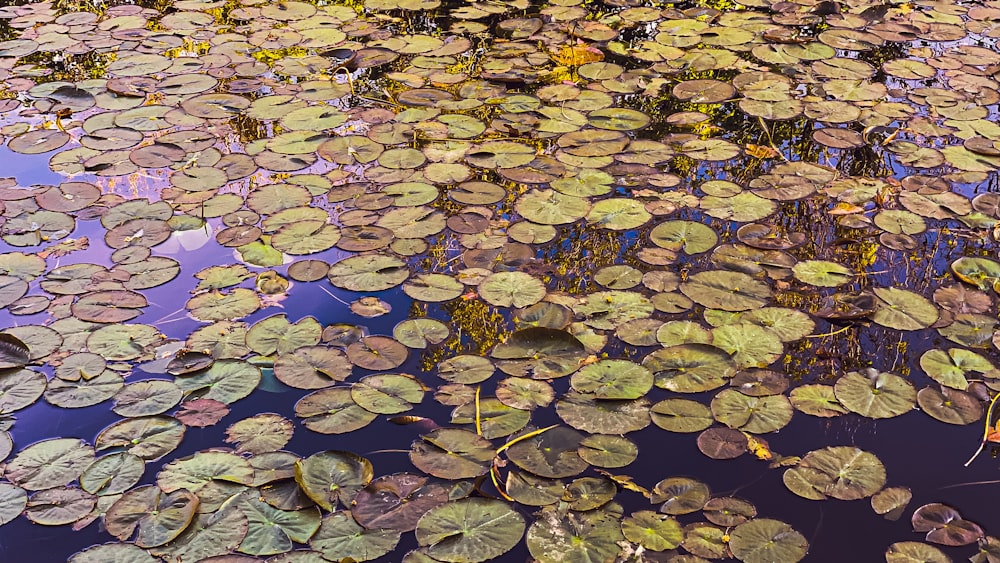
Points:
x=788, y=325
x=757, y=415
x=331, y=476
x=681, y=415
x=613, y=379
x=950, y=368
x=226, y=381
x=276, y=334
x=20, y=388
x=433, y=287
x=970, y=329
x=212, y=534
x=587, y=413
x=198, y=470
x=841, y=472
x=729, y=511
x=902, y=309
x=675, y=333
x=541, y=353
x=387, y=393
x=729, y=291
x=470, y=530
x=371, y=272
x=495, y=418
x=689, y=236
x=816, y=400
x=49, y=463
x=511, y=289
x=609, y=309
x=553, y=454
x=59, y=506
x=915, y=552
x=332, y=411
x=452, y=453
x=271, y=530
x=157, y=516
x=340, y=537
x=146, y=398
x=526, y=394
x=680, y=495
x=84, y=392
x=466, y=369
x=690, y=368
x=877, y=395
x=13, y=499
x=763, y=540
x=822, y=273
x=124, y=552
x=420, y=333
x=749, y=345
x=891, y=502
x=950, y=405
x=559, y=536
x=124, y=341
x=980, y=272
x=529, y=490
x=548, y=207
x=618, y=214
x=609, y=451
x=265, y=432
x=377, y=353
x=149, y=438
x=655, y=532
x=112, y=474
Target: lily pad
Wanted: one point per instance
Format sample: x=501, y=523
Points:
x=875, y=395
x=841, y=472
x=762, y=540
x=729, y=291
x=560, y=536
x=470, y=530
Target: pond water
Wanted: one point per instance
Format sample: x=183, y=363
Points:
x=429, y=280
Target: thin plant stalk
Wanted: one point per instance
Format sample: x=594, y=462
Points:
x=986, y=431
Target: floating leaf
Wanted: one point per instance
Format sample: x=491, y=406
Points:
x=903, y=310
x=553, y=454
x=397, y=501
x=944, y=525
x=762, y=540
x=841, y=472
x=507, y=289
x=331, y=475
x=49, y=463
x=680, y=495
x=158, y=516
x=691, y=237
x=451, y=453
x=541, y=353
x=880, y=395
x=198, y=470
x=574, y=536
x=891, y=502
x=341, y=537
x=271, y=530
x=470, y=530
x=729, y=291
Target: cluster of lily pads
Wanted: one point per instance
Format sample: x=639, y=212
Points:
x=591, y=206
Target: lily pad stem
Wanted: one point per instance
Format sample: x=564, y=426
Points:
x=986, y=431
